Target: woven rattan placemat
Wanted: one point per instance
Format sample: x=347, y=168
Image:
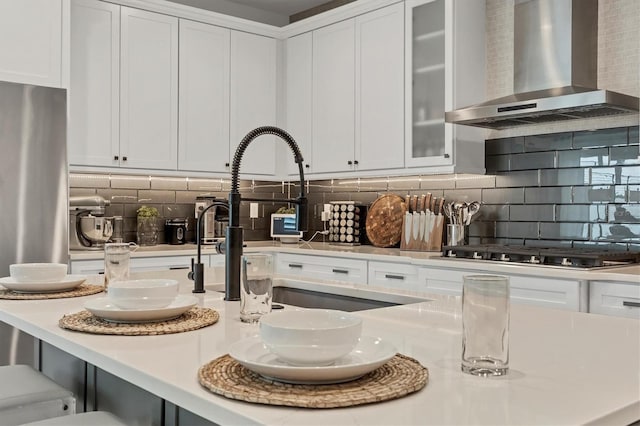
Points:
x=81, y=290
x=400, y=376
x=193, y=319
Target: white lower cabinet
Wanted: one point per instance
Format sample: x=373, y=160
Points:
x=547, y=292
x=321, y=268
x=393, y=275
x=137, y=264
x=618, y=299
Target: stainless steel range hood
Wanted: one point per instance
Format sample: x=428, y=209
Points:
x=555, y=70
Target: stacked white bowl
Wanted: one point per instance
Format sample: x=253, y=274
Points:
x=143, y=294
x=310, y=337
x=38, y=272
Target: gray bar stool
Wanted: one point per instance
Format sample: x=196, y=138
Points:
x=93, y=418
x=27, y=395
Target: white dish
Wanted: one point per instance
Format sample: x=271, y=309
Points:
x=38, y=272
x=369, y=354
x=105, y=309
x=67, y=283
x=310, y=337
x=143, y=294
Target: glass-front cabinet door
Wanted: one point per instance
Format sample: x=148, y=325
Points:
x=426, y=68
x=437, y=31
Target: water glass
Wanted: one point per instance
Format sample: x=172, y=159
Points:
x=485, y=325
x=116, y=262
x=256, y=287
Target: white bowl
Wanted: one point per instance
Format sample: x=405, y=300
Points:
x=310, y=337
x=38, y=272
x=143, y=294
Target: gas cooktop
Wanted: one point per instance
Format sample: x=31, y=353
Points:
x=585, y=258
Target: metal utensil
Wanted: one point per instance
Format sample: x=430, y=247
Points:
x=473, y=208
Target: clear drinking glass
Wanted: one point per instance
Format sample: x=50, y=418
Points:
x=256, y=287
x=116, y=261
x=485, y=325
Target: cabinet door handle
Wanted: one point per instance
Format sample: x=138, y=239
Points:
x=124, y=158
x=295, y=265
x=631, y=304
x=349, y=162
x=394, y=277
x=446, y=155
x=355, y=162
x=226, y=164
x=115, y=157
x=175, y=268
x=340, y=271
x=306, y=166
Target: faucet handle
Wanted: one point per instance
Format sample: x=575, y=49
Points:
x=190, y=275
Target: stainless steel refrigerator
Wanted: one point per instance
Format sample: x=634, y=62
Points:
x=33, y=190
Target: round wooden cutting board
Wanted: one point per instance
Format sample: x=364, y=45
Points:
x=384, y=220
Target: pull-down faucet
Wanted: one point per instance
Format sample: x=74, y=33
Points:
x=234, y=238
x=234, y=235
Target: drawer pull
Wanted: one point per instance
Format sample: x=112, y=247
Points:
x=340, y=271
x=394, y=277
x=295, y=265
x=175, y=268
x=631, y=304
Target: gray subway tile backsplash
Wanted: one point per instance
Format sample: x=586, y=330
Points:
x=564, y=230
x=624, y=213
x=503, y=195
x=578, y=189
x=624, y=155
x=634, y=136
x=584, y=158
x=600, y=194
x=504, y=145
x=628, y=233
x=533, y=160
x=564, y=177
x=601, y=138
x=548, y=142
x=156, y=197
x=633, y=194
x=539, y=212
x=547, y=194
x=519, y=178
x=497, y=163
x=581, y=212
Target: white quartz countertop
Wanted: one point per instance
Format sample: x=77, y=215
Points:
x=628, y=274
x=566, y=367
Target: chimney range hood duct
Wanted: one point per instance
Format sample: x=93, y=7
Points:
x=555, y=70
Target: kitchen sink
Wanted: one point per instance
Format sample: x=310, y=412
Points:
x=322, y=296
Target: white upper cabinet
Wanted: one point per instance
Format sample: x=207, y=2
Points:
x=298, y=86
x=204, y=97
x=358, y=93
x=379, y=130
x=253, y=99
x=444, y=70
x=95, y=84
x=334, y=97
x=31, y=41
x=149, y=90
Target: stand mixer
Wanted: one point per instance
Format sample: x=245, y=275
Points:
x=89, y=229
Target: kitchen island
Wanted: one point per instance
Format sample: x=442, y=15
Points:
x=565, y=367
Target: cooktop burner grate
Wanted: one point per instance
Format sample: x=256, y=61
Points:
x=556, y=256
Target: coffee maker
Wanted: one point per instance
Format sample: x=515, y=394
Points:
x=215, y=220
x=89, y=229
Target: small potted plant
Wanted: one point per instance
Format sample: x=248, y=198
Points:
x=147, y=226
